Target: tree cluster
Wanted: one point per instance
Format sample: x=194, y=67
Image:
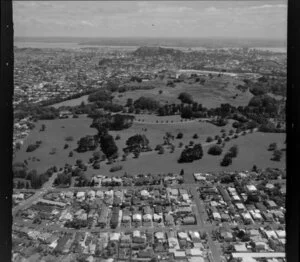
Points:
x=146, y=103
x=87, y=143
x=191, y=153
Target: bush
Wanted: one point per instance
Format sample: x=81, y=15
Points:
x=215, y=150
x=69, y=138
x=71, y=154
x=277, y=154
x=118, y=137
x=179, y=136
x=227, y=160
x=66, y=146
x=53, y=151
x=227, y=139
x=233, y=151
x=158, y=147
x=272, y=147
x=96, y=165
x=116, y=168
x=195, y=136
x=219, y=141
x=209, y=139
x=161, y=150
x=32, y=147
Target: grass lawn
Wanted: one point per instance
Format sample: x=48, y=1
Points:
x=214, y=92
x=72, y=102
x=155, y=132
x=252, y=147
x=252, y=151
x=54, y=137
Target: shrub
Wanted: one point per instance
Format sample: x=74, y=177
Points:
x=118, y=137
x=215, y=150
x=71, y=154
x=209, y=139
x=53, y=151
x=233, y=151
x=195, y=136
x=96, y=165
x=219, y=141
x=158, y=147
x=69, y=138
x=227, y=160
x=227, y=139
x=272, y=147
x=116, y=168
x=66, y=146
x=277, y=154
x=32, y=147
x=179, y=136
x=161, y=150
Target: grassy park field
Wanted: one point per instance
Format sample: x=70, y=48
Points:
x=252, y=147
x=212, y=93
x=54, y=137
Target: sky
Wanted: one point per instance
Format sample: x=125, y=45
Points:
x=255, y=19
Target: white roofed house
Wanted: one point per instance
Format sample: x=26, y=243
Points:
x=137, y=217
x=240, y=206
x=80, y=196
x=157, y=217
x=147, y=217
x=216, y=216
x=251, y=189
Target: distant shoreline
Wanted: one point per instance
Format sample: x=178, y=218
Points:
x=73, y=45
x=212, y=42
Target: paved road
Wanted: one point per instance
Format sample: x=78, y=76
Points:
x=160, y=122
x=38, y=193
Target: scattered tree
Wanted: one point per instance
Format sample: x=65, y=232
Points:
x=272, y=146
x=179, y=135
x=215, y=150
x=209, y=139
